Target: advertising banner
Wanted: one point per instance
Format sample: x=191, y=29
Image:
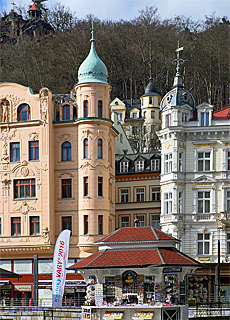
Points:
x=60, y=260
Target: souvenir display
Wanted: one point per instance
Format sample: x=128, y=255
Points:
x=198, y=288
x=172, y=289
x=142, y=315
x=112, y=315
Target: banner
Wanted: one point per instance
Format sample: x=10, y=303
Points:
x=60, y=260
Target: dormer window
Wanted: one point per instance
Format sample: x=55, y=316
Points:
x=66, y=112
x=155, y=164
x=124, y=166
x=204, y=121
x=134, y=115
x=139, y=165
x=119, y=116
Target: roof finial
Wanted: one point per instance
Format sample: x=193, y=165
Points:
x=13, y=4
x=92, y=39
x=178, y=61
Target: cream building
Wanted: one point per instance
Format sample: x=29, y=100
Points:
x=57, y=169
x=195, y=174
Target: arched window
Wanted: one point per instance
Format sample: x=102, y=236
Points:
x=99, y=149
x=86, y=113
x=23, y=112
x=66, y=112
x=66, y=151
x=99, y=109
x=86, y=148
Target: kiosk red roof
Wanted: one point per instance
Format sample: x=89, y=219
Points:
x=113, y=258
x=222, y=114
x=136, y=234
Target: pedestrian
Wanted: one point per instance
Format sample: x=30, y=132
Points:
x=31, y=302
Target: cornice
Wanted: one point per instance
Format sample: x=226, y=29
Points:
x=5, y=251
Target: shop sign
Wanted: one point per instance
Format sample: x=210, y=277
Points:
x=20, y=287
x=203, y=258
x=172, y=270
x=129, y=278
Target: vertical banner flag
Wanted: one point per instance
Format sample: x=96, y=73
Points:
x=60, y=261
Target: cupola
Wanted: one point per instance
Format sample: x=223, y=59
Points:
x=93, y=68
x=34, y=12
x=150, y=88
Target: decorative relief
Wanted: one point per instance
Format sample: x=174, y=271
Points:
x=15, y=101
x=99, y=134
x=24, y=208
x=6, y=136
x=21, y=170
x=65, y=136
x=167, y=145
x=33, y=136
x=181, y=144
x=5, y=110
x=46, y=234
x=93, y=166
x=85, y=134
x=44, y=106
x=89, y=249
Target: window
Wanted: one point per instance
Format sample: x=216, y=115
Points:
x=119, y=116
x=86, y=186
x=155, y=194
x=228, y=243
x=139, y=164
x=33, y=150
x=99, y=148
x=228, y=160
x=204, y=161
x=85, y=148
x=155, y=164
x=155, y=221
x=125, y=222
x=150, y=100
x=66, y=151
x=184, y=117
x=180, y=202
x=140, y=194
x=135, y=130
x=14, y=151
x=124, y=166
x=34, y=226
x=24, y=188
x=99, y=109
x=145, y=129
x=86, y=224
x=168, y=163
x=203, y=202
x=100, y=224
x=144, y=114
x=180, y=162
x=141, y=220
x=66, y=188
x=152, y=114
x=86, y=113
x=23, y=112
x=124, y=195
x=204, y=119
x=168, y=120
x=134, y=115
x=100, y=186
x=15, y=226
x=168, y=203
x=0, y=226
x=67, y=223
x=203, y=241
x=66, y=112
x=228, y=201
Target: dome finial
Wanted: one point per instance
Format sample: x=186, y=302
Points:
x=92, y=32
x=178, y=62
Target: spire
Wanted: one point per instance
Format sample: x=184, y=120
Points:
x=92, y=32
x=178, y=79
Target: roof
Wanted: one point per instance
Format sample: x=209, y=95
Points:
x=8, y=274
x=33, y=8
x=136, y=234
x=222, y=114
x=117, y=258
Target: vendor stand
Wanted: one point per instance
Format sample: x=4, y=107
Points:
x=136, y=274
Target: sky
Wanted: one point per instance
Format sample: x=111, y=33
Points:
x=129, y=9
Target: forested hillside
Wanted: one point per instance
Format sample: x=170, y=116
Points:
x=131, y=50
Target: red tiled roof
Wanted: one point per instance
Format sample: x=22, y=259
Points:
x=135, y=234
x=134, y=257
x=222, y=114
x=33, y=8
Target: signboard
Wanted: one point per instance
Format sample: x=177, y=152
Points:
x=172, y=270
x=21, y=287
x=99, y=295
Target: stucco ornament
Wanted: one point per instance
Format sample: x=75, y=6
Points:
x=6, y=136
x=46, y=234
x=5, y=109
x=24, y=208
x=44, y=106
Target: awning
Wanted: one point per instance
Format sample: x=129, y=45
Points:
x=2, y=282
x=8, y=274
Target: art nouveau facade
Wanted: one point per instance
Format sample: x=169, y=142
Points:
x=57, y=170
x=195, y=174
